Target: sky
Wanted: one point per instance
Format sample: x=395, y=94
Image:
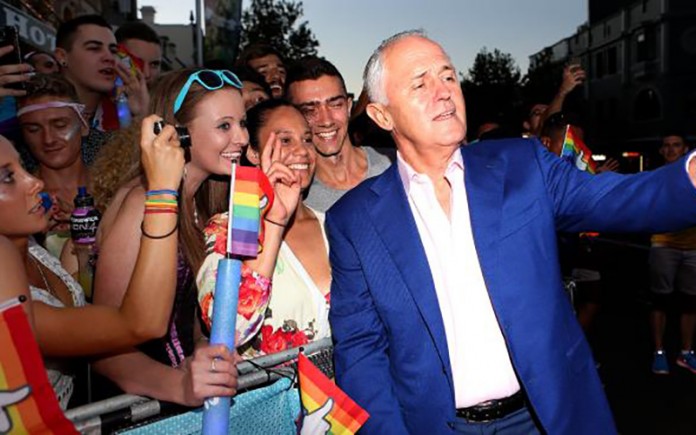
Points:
x=349, y=30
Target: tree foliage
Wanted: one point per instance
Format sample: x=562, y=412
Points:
x=542, y=79
x=492, y=88
x=493, y=69
x=276, y=22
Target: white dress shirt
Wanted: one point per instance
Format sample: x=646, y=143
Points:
x=481, y=366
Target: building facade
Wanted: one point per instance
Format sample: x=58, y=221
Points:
x=640, y=57
x=37, y=20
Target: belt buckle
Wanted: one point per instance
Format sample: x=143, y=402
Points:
x=486, y=412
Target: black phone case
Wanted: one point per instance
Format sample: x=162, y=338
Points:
x=9, y=35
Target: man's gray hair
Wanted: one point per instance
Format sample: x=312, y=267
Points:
x=373, y=76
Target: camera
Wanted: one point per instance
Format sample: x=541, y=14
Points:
x=181, y=131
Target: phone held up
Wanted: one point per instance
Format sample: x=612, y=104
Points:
x=181, y=131
x=9, y=35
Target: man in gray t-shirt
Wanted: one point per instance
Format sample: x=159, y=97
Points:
x=317, y=89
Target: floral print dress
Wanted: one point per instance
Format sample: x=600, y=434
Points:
x=294, y=313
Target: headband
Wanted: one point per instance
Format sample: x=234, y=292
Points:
x=77, y=107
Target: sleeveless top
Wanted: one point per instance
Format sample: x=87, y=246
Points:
x=178, y=343
x=298, y=311
x=58, y=369
x=293, y=313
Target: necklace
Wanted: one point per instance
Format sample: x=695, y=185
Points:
x=43, y=277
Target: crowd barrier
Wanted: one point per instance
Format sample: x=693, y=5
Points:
x=265, y=383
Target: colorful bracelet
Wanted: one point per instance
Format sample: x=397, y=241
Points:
x=161, y=210
x=161, y=201
x=162, y=192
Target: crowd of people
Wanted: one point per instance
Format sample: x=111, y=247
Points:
x=408, y=272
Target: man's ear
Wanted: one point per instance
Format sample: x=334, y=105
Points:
x=61, y=56
x=380, y=115
x=253, y=156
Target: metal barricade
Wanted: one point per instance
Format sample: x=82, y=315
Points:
x=120, y=411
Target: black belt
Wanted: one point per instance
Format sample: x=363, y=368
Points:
x=493, y=409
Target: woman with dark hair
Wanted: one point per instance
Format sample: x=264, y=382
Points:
x=209, y=104
x=64, y=326
x=299, y=305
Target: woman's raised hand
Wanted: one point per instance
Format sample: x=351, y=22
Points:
x=161, y=155
x=286, y=184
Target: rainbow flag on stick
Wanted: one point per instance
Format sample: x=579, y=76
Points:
x=327, y=408
x=252, y=195
x=576, y=152
x=250, y=192
x=28, y=404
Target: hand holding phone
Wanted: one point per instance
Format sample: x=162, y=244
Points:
x=13, y=73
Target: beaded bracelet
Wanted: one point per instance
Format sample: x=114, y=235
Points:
x=164, y=236
x=162, y=192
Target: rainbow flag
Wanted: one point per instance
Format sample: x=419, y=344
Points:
x=327, y=408
x=27, y=402
x=576, y=152
x=251, y=199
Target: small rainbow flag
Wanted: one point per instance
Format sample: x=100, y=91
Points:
x=252, y=197
x=28, y=404
x=327, y=408
x=576, y=152
x=134, y=63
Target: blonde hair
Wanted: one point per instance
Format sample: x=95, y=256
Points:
x=117, y=163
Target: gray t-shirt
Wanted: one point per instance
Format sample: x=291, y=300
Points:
x=321, y=197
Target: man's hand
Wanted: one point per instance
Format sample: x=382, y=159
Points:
x=573, y=75
x=136, y=89
x=610, y=165
x=13, y=74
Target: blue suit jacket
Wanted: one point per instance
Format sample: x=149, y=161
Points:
x=390, y=347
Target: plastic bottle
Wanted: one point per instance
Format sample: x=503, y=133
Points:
x=122, y=108
x=84, y=223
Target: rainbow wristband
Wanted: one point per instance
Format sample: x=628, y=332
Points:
x=161, y=201
x=162, y=192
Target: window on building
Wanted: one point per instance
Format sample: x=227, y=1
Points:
x=647, y=106
x=612, y=66
x=646, y=45
x=600, y=65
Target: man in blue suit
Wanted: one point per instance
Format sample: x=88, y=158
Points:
x=448, y=313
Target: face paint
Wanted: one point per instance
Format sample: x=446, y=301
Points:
x=68, y=134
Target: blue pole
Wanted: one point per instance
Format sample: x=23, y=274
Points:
x=216, y=415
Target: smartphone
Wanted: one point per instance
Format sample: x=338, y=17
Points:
x=9, y=35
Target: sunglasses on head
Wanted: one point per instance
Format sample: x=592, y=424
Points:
x=209, y=79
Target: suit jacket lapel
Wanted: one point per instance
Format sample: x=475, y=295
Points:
x=392, y=217
x=484, y=178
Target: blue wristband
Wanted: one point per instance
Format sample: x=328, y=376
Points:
x=162, y=192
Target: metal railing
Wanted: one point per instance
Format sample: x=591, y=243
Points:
x=131, y=409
